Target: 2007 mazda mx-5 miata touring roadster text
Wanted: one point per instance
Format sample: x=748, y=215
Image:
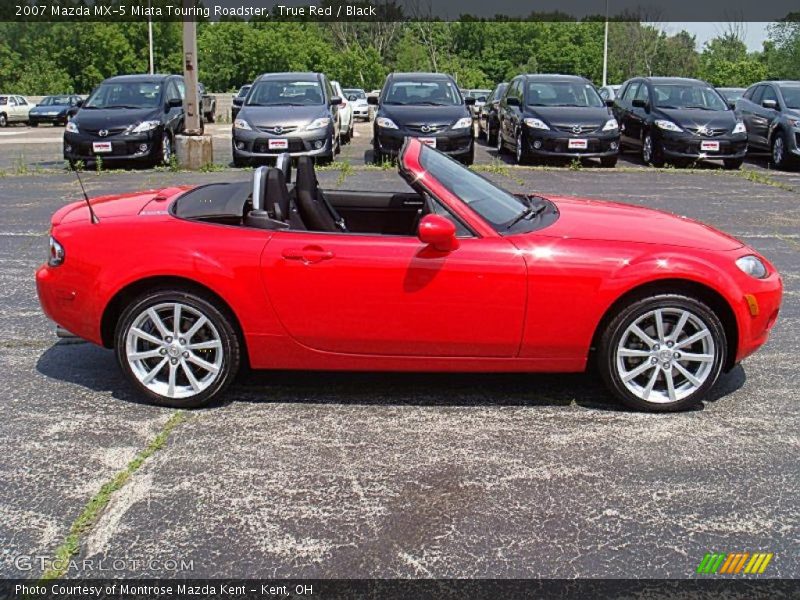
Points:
x=454, y=274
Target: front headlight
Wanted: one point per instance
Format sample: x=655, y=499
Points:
x=536, y=123
x=142, y=127
x=72, y=127
x=385, y=123
x=56, y=254
x=739, y=128
x=753, y=266
x=611, y=125
x=667, y=125
x=242, y=124
x=463, y=123
x=318, y=123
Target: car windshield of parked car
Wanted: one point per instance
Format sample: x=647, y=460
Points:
x=54, y=101
x=432, y=93
x=731, y=95
x=481, y=95
x=503, y=211
x=359, y=94
x=243, y=91
x=125, y=95
x=791, y=96
x=562, y=93
x=681, y=95
x=285, y=92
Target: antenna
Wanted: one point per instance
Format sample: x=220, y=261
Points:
x=86, y=196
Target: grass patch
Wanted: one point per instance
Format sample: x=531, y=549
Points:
x=94, y=508
x=760, y=177
x=498, y=167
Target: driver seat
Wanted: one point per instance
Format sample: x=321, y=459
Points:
x=316, y=212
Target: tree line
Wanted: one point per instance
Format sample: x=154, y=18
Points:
x=47, y=58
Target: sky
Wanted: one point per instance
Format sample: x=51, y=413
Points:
x=755, y=33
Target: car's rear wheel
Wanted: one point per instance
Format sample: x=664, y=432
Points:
x=177, y=347
x=662, y=353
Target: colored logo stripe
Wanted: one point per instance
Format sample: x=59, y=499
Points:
x=734, y=563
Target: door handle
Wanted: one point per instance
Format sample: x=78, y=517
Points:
x=308, y=254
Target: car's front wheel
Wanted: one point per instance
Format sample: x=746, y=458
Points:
x=662, y=353
x=166, y=149
x=520, y=155
x=3, y=120
x=780, y=154
x=178, y=348
x=652, y=153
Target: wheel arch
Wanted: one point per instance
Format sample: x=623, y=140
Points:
x=124, y=296
x=694, y=289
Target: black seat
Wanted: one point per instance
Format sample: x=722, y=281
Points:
x=284, y=162
x=271, y=205
x=315, y=211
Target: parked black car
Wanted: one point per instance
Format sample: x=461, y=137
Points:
x=287, y=112
x=238, y=100
x=128, y=118
x=731, y=94
x=53, y=109
x=771, y=112
x=208, y=104
x=428, y=106
x=488, y=121
x=556, y=116
x=678, y=120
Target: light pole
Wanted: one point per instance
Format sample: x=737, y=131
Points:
x=150, y=39
x=605, y=51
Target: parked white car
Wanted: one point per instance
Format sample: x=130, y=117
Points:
x=358, y=100
x=14, y=109
x=345, y=114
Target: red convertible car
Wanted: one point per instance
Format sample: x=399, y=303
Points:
x=456, y=274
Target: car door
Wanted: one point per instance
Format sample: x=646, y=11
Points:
x=764, y=116
x=637, y=118
x=623, y=112
x=174, y=117
x=745, y=109
x=23, y=108
x=12, y=112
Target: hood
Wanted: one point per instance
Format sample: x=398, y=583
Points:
x=692, y=118
x=417, y=115
x=114, y=118
x=612, y=221
x=568, y=116
x=284, y=116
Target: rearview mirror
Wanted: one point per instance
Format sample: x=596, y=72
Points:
x=438, y=232
x=372, y=100
x=771, y=104
x=469, y=100
x=512, y=101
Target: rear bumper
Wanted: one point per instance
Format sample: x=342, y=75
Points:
x=66, y=304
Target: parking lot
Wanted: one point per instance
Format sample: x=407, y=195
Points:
x=409, y=475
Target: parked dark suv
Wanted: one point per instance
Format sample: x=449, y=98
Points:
x=287, y=112
x=128, y=118
x=678, y=120
x=556, y=116
x=428, y=106
x=771, y=112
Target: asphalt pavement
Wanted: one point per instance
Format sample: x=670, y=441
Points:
x=412, y=475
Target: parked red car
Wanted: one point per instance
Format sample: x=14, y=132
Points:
x=457, y=275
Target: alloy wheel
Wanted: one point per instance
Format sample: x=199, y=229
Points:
x=3, y=121
x=174, y=350
x=777, y=150
x=665, y=355
x=518, y=149
x=647, y=149
x=166, y=149
x=499, y=139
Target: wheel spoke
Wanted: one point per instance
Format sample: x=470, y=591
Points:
x=642, y=335
x=212, y=345
x=143, y=355
x=190, y=376
x=670, y=385
x=156, y=320
x=151, y=375
x=629, y=352
x=195, y=328
x=202, y=363
x=694, y=338
x=650, y=384
x=660, y=325
x=173, y=371
x=689, y=357
x=176, y=320
x=638, y=371
x=146, y=336
x=679, y=326
x=692, y=379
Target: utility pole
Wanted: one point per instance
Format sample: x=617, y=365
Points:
x=150, y=37
x=190, y=102
x=605, y=51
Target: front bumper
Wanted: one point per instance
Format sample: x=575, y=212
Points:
x=556, y=143
x=754, y=329
x=682, y=145
x=43, y=118
x=255, y=144
x=454, y=143
x=362, y=112
x=78, y=146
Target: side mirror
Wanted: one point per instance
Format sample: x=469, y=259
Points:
x=609, y=102
x=237, y=101
x=469, y=101
x=79, y=102
x=438, y=232
x=174, y=103
x=732, y=104
x=336, y=101
x=638, y=103
x=512, y=101
x=71, y=112
x=771, y=104
x=373, y=100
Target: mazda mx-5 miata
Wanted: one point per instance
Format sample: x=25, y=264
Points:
x=454, y=274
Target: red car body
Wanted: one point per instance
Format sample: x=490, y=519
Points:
x=332, y=301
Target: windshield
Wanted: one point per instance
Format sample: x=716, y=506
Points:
x=495, y=205
x=562, y=93
x=433, y=93
x=480, y=95
x=285, y=92
x=359, y=94
x=54, y=101
x=125, y=95
x=243, y=91
x=791, y=96
x=731, y=95
x=681, y=95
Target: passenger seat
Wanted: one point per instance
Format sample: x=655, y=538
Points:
x=315, y=211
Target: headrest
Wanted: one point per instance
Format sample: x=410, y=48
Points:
x=284, y=163
x=306, y=178
x=259, y=188
x=277, y=196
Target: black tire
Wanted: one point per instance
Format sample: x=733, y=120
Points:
x=628, y=314
x=239, y=162
x=470, y=157
x=377, y=155
x=520, y=154
x=656, y=153
x=732, y=164
x=3, y=120
x=501, y=147
x=608, y=162
x=779, y=150
x=166, y=150
x=491, y=138
x=218, y=316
